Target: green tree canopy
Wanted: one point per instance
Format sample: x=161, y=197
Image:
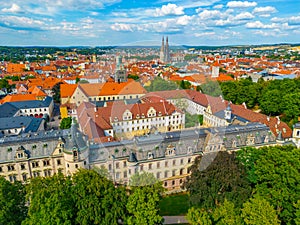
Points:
x=159, y=84
x=12, y=202
x=274, y=172
x=197, y=216
x=66, y=123
x=211, y=88
x=224, y=178
x=51, y=201
x=258, y=211
x=143, y=205
x=97, y=200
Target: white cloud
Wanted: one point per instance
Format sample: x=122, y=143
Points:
x=294, y=20
x=170, y=9
x=264, y=11
x=123, y=27
x=259, y=25
x=244, y=16
x=210, y=14
x=13, y=9
x=241, y=4
x=183, y=20
x=205, y=34
x=273, y=33
x=220, y=6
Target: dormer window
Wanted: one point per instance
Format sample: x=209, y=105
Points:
x=151, y=112
x=127, y=115
x=190, y=150
x=170, y=151
x=137, y=116
x=116, y=119
x=150, y=155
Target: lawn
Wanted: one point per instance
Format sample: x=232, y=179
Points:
x=174, y=205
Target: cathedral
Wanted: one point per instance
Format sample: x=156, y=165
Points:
x=165, y=51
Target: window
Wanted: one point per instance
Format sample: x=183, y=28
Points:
x=158, y=165
x=124, y=164
x=189, y=160
x=36, y=173
x=181, y=171
x=46, y=162
x=125, y=174
x=173, y=182
x=47, y=173
x=1, y=170
x=173, y=173
x=174, y=162
x=181, y=161
x=142, y=167
x=10, y=167
x=76, y=166
x=24, y=177
x=58, y=162
x=109, y=166
x=117, y=165
x=12, y=178
x=166, y=174
x=150, y=166
x=35, y=164
x=166, y=163
x=165, y=183
x=23, y=167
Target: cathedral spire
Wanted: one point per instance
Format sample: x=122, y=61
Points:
x=162, y=51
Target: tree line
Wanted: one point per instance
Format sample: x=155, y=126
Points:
x=251, y=186
x=274, y=98
x=86, y=198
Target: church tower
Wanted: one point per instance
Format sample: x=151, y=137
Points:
x=162, y=51
x=215, y=69
x=120, y=74
x=167, y=51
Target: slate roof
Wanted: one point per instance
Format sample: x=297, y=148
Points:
x=30, y=123
x=8, y=110
x=33, y=104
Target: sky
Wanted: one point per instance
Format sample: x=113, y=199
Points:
x=145, y=22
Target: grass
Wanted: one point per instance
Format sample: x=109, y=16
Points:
x=174, y=205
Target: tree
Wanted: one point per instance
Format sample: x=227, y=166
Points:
x=278, y=176
x=4, y=84
x=211, y=88
x=97, y=200
x=184, y=84
x=224, y=178
x=132, y=76
x=143, y=205
x=56, y=91
x=274, y=172
x=66, y=123
x=197, y=216
x=51, y=201
x=226, y=213
x=143, y=179
x=258, y=211
x=12, y=202
x=159, y=84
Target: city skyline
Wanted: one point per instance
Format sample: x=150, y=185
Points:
x=130, y=22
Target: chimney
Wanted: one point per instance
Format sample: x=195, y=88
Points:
x=244, y=104
x=278, y=120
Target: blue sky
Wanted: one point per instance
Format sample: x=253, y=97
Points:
x=137, y=22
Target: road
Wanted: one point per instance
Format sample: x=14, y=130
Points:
x=175, y=220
